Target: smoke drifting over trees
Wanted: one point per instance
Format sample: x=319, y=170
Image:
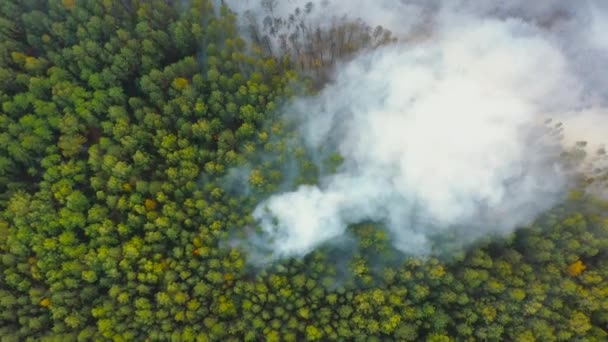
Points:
x=441, y=131
x=154, y=153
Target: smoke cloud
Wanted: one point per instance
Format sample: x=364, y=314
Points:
x=444, y=135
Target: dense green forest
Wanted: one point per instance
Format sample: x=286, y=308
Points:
x=120, y=123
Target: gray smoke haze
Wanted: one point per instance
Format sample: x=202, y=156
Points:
x=400, y=16
x=444, y=134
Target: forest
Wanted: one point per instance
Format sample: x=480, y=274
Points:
x=120, y=127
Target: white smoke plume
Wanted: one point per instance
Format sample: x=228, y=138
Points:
x=444, y=135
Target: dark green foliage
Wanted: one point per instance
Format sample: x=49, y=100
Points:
x=120, y=122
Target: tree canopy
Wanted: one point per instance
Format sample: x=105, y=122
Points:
x=120, y=124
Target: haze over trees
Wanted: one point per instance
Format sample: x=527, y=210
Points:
x=312, y=47
x=137, y=137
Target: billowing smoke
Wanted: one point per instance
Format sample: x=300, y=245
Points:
x=444, y=135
